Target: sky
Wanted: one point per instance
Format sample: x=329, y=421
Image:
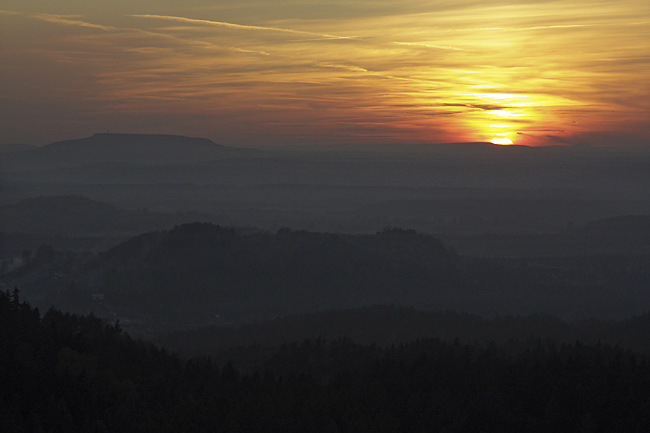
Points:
x=328, y=72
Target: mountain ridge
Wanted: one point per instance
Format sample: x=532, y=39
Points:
x=135, y=148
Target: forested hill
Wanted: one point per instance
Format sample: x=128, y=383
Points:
x=199, y=274
x=205, y=241
x=213, y=274
x=73, y=374
x=261, y=274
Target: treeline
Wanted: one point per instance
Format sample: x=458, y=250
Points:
x=385, y=325
x=74, y=373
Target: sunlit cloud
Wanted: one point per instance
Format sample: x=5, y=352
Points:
x=346, y=67
x=312, y=70
x=427, y=45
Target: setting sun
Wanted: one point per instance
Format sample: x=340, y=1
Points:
x=248, y=73
x=501, y=141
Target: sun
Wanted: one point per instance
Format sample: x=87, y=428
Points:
x=502, y=141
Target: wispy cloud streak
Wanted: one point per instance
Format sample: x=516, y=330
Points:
x=427, y=45
x=239, y=26
x=63, y=19
x=417, y=71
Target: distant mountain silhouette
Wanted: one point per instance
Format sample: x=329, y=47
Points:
x=130, y=148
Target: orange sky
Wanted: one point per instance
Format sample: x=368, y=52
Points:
x=252, y=73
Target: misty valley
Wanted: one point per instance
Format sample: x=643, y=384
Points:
x=166, y=283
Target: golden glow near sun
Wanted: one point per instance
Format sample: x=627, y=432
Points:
x=293, y=71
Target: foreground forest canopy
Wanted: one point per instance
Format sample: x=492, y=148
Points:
x=73, y=373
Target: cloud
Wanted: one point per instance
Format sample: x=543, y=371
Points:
x=245, y=51
x=427, y=45
x=567, y=26
x=197, y=42
x=558, y=139
x=326, y=63
x=239, y=26
x=63, y=19
x=484, y=107
x=68, y=20
x=351, y=68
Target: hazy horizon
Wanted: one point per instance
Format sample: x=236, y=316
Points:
x=390, y=147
